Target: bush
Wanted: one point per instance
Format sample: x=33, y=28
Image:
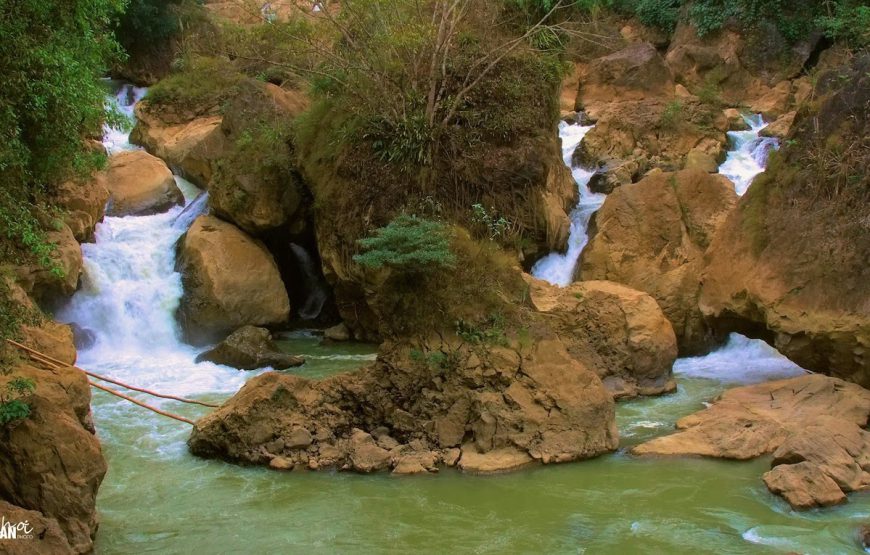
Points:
x=663, y=14
x=408, y=244
x=13, y=405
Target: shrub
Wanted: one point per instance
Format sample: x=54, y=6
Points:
x=658, y=13
x=672, y=115
x=408, y=244
x=13, y=405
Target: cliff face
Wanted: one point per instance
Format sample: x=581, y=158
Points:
x=51, y=462
x=791, y=262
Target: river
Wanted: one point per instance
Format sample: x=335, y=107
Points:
x=157, y=498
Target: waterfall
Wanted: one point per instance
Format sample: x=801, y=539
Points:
x=748, y=155
x=124, y=101
x=317, y=293
x=130, y=291
x=558, y=268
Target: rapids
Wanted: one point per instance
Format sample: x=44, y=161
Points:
x=158, y=498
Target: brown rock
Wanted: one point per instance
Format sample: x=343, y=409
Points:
x=51, y=460
x=499, y=460
x=651, y=236
x=633, y=73
x=780, y=127
x=281, y=463
x=190, y=145
x=250, y=348
x=365, y=455
x=804, y=486
x=750, y=421
x=37, y=535
x=84, y=204
x=230, y=280
x=60, y=280
x=338, y=333
x=774, y=102
x=618, y=332
x=702, y=161
x=140, y=183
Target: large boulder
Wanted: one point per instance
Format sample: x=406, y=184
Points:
x=812, y=425
x=52, y=462
x=190, y=144
x=652, y=235
x=83, y=204
x=485, y=408
x=633, y=73
x=60, y=278
x=230, y=280
x=140, y=183
x=34, y=533
x=255, y=184
x=790, y=263
x=620, y=333
x=250, y=348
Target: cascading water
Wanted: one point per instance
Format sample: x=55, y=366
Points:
x=158, y=498
x=748, y=155
x=116, y=139
x=314, y=287
x=558, y=268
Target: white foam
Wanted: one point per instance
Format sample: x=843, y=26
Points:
x=558, y=268
x=748, y=155
x=740, y=360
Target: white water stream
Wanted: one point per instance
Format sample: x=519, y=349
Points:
x=748, y=155
x=558, y=268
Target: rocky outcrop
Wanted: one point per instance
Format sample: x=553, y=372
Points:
x=255, y=183
x=189, y=143
x=83, y=204
x=633, y=73
x=652, y=235
x=790, y=263
x=141, y=184
x=230, y=280
x=620, y=333
x=812, y=425
x=250, y=348
x=61, y=277
x=34, y=533
x=52, y=462
x=485, y=408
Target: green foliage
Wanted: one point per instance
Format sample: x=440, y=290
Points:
x=663, y=14
x=491, y=330
x=13, y=406
x=496, y=227
x=408, y=244
x=146, y=24
x=201, y=85
x=848, y=22
x=672, y=115
x=52, y=57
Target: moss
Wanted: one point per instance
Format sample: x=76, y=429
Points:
x=200, y=85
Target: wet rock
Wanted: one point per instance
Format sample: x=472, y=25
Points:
x=52, y=462
x=499, y=460
x=338, y=333
x=60, y=280
x=250, y=348
x=735, y=120
x=702, y=161
x=652, y=236
x=780, y=127
x=140, y=184
x=804, y=486
x=42, y=535
x=542, y=403
x=365, y=455
x=811, y=424
x=617, y=331
x=83, y=338
x=281, y=463
x=230, y=280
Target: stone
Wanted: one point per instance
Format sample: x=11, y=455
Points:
x=702, y=161
x=140, y=184
x=365, y=455
x=45, y=536
x=250, y=348
x=338, y=333
x=652, y=236
x=780, y=127
x=230, y=280
x=498, y=460
x=83, y=204
x=281, y=463
x=52, y=462
x=49, y=283
x=618, y=332
x=299, y=438
x=633, y=73
x=804, y=486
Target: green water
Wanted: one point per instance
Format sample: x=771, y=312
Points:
x=157, y=498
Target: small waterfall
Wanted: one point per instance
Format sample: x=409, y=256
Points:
x=748, y=155
x=192, y=210
x=558, y=268
x=317, y=293
x=124, y=100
